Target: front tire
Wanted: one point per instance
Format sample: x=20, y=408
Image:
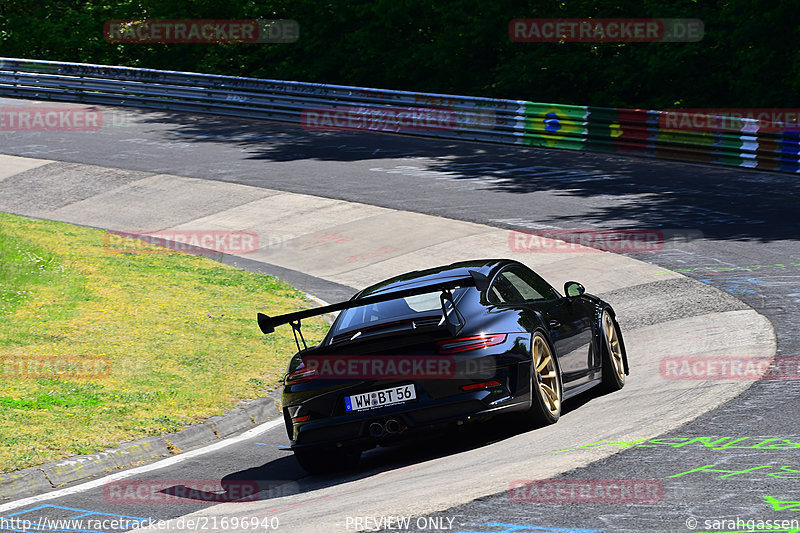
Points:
x=546, y=384
x=613, y=357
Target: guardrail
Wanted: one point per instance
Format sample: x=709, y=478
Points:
x=319, y=106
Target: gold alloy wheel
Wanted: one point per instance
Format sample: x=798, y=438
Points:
x=546, y=375
x=612, y=344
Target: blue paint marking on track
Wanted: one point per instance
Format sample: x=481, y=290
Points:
x=733, y=285
x=16, y=522
x=512, y=528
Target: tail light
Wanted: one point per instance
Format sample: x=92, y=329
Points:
x=301, y=374
x=471, y=343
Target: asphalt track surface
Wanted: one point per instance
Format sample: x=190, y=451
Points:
x=749, y=249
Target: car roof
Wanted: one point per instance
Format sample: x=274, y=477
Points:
x=442, y=273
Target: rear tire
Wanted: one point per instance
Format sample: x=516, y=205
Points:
x=317, y=461
x=546, y=386
x=613, y=356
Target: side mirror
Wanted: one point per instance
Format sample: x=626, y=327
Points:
x=573, y=288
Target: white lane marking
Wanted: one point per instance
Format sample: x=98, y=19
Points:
x=142, y=469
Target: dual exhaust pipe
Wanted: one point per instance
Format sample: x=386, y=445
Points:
x=390, y=427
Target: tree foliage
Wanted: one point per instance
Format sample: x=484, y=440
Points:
x=748, y=57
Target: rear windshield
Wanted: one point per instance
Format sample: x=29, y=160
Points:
x=393, y=310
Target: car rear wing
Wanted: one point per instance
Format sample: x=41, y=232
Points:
x=453, y=318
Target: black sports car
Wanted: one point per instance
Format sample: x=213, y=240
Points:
x=439, y=347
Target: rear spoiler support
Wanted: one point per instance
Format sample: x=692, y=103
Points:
x=452, y=317
x=296, y=331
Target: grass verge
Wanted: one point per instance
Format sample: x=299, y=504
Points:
x=99, y=347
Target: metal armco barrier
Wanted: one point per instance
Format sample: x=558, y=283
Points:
x=612, y=130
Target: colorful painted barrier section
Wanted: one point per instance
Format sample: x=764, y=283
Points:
x=750, y=143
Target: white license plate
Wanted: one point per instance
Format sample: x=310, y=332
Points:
x=380, y=398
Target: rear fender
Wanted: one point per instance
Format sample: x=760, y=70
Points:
x=621, y=337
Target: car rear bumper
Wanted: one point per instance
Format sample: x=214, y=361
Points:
x=410, y=420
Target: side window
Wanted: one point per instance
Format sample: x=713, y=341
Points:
x=516, y=285
x=525, y=290
x=503, y=291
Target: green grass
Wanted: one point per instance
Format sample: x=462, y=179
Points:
x=173, y=336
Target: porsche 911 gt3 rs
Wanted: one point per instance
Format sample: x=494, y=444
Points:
x=441, y=347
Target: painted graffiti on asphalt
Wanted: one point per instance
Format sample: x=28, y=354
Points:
x=778, y=472
x=713, y=269
x=713, y=443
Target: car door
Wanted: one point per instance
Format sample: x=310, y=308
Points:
x=568, y=320
x=571, y=333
